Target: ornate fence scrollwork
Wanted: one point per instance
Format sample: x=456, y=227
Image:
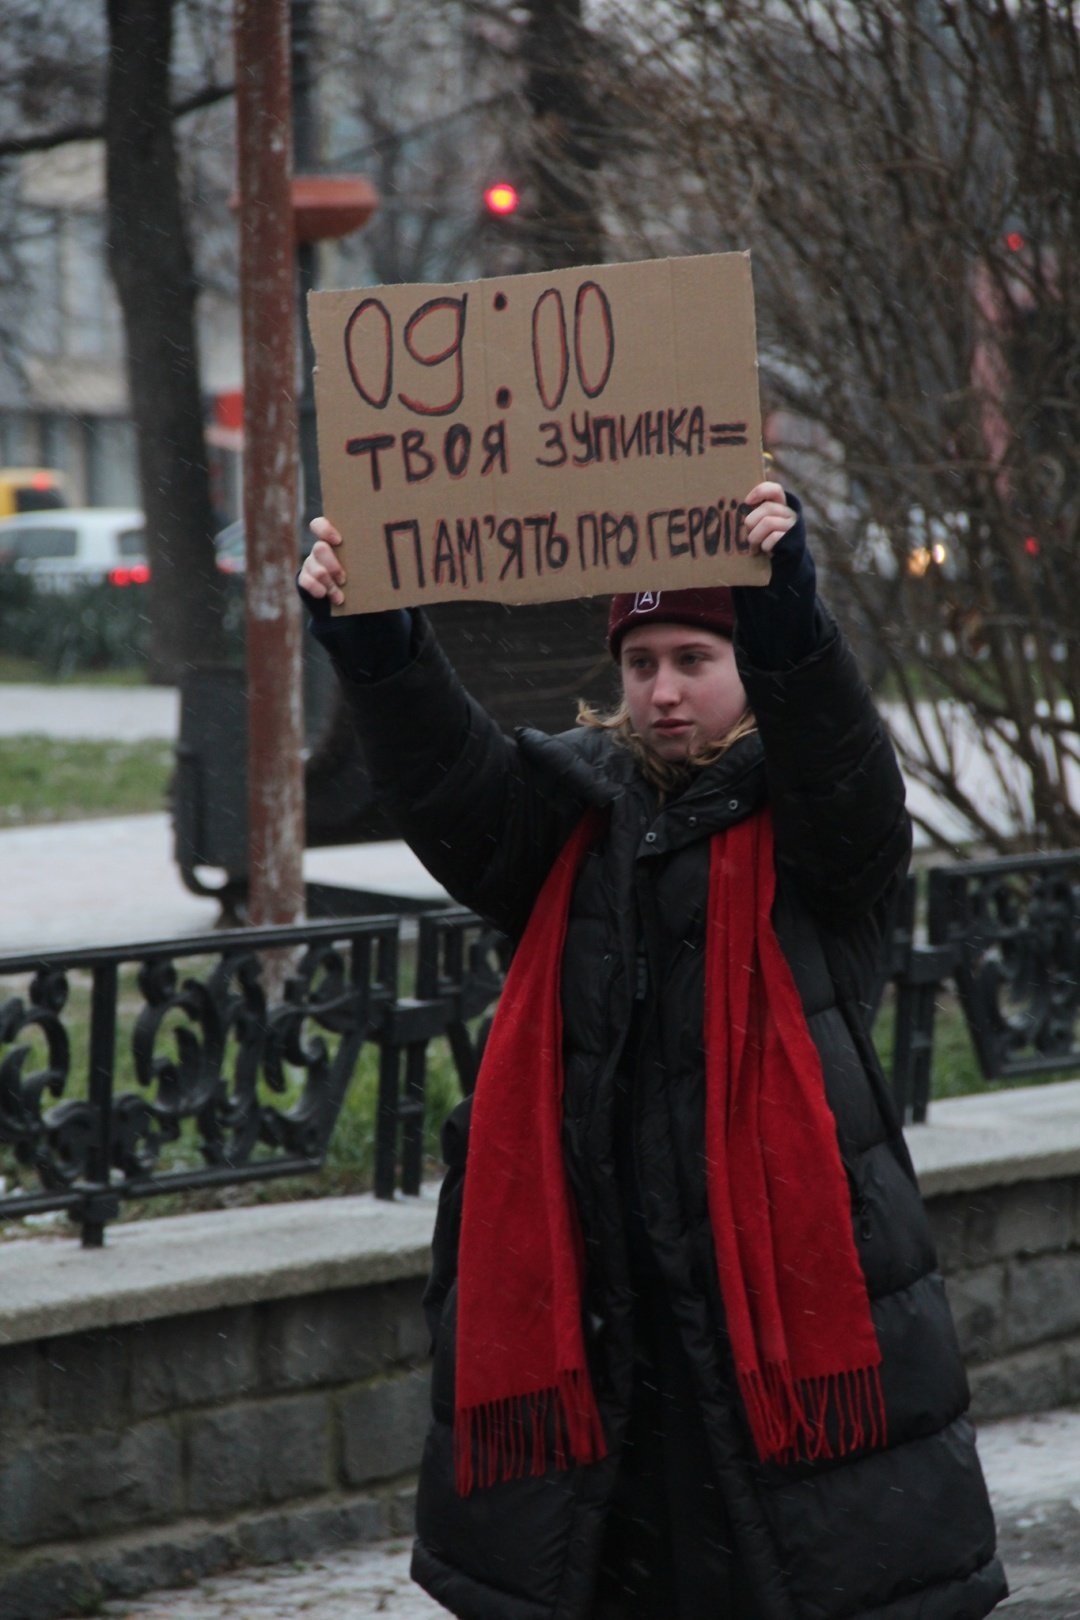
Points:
x=459, y=973
x=240, y=1089
x=52, y=1141
x=1013, y=930
x=462, y=963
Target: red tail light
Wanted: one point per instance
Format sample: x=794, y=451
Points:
x=138, y=574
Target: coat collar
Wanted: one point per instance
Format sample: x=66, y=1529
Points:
x=600, y=771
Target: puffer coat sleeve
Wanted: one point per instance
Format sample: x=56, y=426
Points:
x=468, y=801
x=842, y=833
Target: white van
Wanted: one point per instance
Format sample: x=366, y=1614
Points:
x=77, y=545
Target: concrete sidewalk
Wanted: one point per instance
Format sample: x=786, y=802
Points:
x=1032, y=1465
x=114, y=882
x=371, y=1580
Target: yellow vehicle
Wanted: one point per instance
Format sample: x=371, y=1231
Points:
x=30, y=489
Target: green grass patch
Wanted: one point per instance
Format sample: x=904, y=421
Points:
x=955, y=1070
x=14, y=668
x=45, y=779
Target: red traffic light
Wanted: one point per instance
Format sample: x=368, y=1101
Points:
x=501, y=198
x=1015, y=242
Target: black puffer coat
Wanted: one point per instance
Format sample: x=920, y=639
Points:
x=900, y=1534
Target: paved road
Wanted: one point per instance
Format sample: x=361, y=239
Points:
x=114, y=882
x=1032, y=1464
x=101, y=712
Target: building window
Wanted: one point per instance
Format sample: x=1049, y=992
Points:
x=111, y=474
x=88, y=307
x=39, y=261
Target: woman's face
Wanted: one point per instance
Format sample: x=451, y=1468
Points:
x=681, y=686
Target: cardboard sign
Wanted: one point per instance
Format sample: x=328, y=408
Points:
x=529, y=438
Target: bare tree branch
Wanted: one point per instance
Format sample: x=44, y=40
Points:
x=94, y=129
x=907, y=176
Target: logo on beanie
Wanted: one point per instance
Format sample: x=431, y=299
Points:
x=646, y=602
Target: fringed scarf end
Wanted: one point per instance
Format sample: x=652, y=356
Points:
x=498, y=1441
x=812, y=1419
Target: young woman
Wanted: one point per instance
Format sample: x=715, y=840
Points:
x=693, y=1359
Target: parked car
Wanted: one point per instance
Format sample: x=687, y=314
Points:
x=77, y=545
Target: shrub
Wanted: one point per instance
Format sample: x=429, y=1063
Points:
x=94, y=626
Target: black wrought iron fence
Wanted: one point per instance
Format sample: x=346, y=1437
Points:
x=1006, y=933
x=257, y=1086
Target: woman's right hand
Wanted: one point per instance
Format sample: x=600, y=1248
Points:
x=322, y=573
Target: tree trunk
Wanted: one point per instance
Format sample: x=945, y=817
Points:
x=564, y=227
x=151, y=264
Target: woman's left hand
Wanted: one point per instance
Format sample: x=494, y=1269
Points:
x=769, y=520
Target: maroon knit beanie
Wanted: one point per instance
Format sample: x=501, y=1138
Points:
x=711, y=608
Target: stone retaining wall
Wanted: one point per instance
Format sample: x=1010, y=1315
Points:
x=1011, y=1257
x=208, y=1390
x=150, y=1455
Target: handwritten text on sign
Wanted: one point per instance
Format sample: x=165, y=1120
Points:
x=534, y=437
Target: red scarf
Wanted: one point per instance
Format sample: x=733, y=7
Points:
x=806, y=1355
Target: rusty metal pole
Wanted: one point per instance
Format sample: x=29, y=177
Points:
x=268, y=309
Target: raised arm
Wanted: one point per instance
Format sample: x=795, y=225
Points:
x=474, y=808
x=842, y=833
